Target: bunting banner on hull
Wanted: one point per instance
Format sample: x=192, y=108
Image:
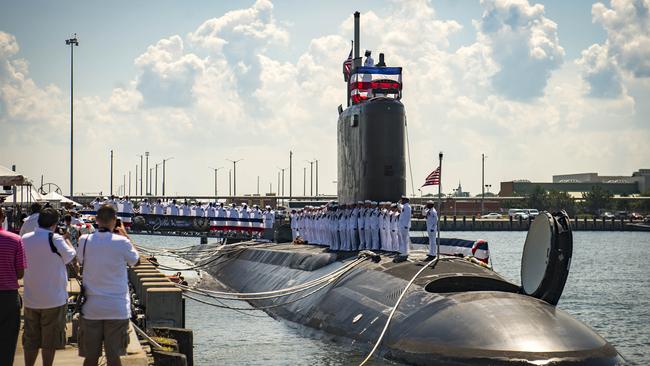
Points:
x=478, y=249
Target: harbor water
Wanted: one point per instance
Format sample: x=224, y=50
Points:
x=608, y=288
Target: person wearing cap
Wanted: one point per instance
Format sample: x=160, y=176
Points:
x=353, y=227
x=244, y=214
x=394, y=219
x=256, y=214
x=366, y=221
x=333, y=232
x=127, y=209
x=269, y=217
x=96, y=204
x=404, y=226
x=31, y=222
x=431, y=216
x=145, y=209
x=361, y=221
x=293, y=216
x=173, y=209
x=211, y=212
x=158, y=208
x=384, y=228
x=221, y=214
x=369, y=62
x=374, y=226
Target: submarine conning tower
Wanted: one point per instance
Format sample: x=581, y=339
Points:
x=370, y=132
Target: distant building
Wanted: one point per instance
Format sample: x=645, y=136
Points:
x=575, y=184
x=458, y=192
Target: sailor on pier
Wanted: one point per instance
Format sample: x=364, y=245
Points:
x=256, y=213
x=127, y=208
x=431, y=215
x=185, y=209
x=343, y=227
x=144, y=207
x=269, y=217
x=233, y=216
x=404, y=226
x=294, y=224
x=158, y=208
x=198, y=210
x=173, y=208
x=113, y=202
x=244, y=214
x=221, y=213
x=212, y=212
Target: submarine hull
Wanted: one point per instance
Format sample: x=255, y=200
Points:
x=458, y=313
x=371, y=161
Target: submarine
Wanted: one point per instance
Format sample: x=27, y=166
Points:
x=450, y=311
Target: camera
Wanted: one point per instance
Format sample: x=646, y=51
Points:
x=118, y=223
x=61, y=229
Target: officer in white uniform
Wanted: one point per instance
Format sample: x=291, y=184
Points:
x=269, y=217
x=256, y=214
x=431, y=215
x=404, y=226
x=361, y=220
x=384, y=228
x=294, y=224
x=366, y=222
x=343, y=227
x=244, y=214
x=144, y=207
x=97, y=203
x=127, y=208
x=173, y=208
x=233, y=216
x=394, y=219
x=185, y=209
x=374, y=226
x=353, y=228
x=158, y=208
x=369, y=61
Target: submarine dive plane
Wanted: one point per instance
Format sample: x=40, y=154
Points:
x=453, y=311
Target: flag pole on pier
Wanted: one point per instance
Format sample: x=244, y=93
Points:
x=439, y=205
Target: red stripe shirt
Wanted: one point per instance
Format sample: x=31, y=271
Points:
x=12, y=259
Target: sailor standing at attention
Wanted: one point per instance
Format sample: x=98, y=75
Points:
x=404, y=226
x=294, y=224
x=173, y=208
x=366, y=221
x=245, y=214
x=374, y=226
x=185, y=209
x=431, y=216
x=221, y=213
x=144, y=207
x=353, y=228
x=198, y=210
x=361, y=219
x=269, y=217
x=384, y=227
x=394, y=219
x=127, y=208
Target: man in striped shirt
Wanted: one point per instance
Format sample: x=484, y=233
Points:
x=12, y=268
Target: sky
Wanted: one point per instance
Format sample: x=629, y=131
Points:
x=540, y=88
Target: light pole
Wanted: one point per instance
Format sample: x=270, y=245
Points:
x=258, y=185
x=72, y=42
x=148, y=180
x=111, y=187
x=482, y=182
x=129, y=182
x=282, y=170
x=230, y=182
x=316, y=160
x=136, y=180
x=234, y=175
x=311, y=177
x=216, y=188
x=290, y=173
x=304, y=181
x=156, y=187
x=163, y=182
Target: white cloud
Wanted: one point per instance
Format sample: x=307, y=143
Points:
x=625, y=53
x=523, y=43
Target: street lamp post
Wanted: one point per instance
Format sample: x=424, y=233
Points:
x=72, y=42
x=111, y=187
x=482, y=182
x=234, y=175
x=216, y=188
x=316, y=160
x=163, y=177
x=150, y=181
x=156, y=186
x=148, y=177
x=290, y=173
x=311, y=177
x=136, y=180
x=304, y=181
x=282, y=170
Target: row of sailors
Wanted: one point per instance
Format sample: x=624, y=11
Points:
x=367, y=225
x=198, y=209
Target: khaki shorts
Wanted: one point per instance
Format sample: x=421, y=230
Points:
x=113, y=333
x=44, y=328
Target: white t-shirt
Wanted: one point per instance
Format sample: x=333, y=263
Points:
x=104, y=277
x=46, y=278
x=29, y=224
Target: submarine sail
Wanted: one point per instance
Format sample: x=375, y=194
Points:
x=370, y=133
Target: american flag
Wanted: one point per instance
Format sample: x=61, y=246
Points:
x=432, y=179
x=347, y=66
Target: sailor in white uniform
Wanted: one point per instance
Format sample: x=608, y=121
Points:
x=404, y=226
x=343, y=227
x=173, y=208
x=127, y=208
x=431, y=215
x=394, y=219
x=384, y=227
x=361, y=219
x=158, y=208
x=269, y=217
x=374, y=226
x=353, y=227
x=97, y=203
x=366, y=222
x=369, y=62
x=256, y=213
x=144, y=207
x=185, y=209
x=233, y=216
x=245, y=215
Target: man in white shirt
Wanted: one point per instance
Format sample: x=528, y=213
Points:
x=127, y=209
x=144, y=207
x=46, y=295
x=185, y=209
x=431, y=215
x=173, y=208
x=31, y=222
x=158, y=208
x=105, y=315
x=269, y=218
x=404, y=226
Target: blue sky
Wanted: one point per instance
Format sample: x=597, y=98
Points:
x=507, y=78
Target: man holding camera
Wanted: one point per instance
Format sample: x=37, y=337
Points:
x=46, y=294
x=105, y=315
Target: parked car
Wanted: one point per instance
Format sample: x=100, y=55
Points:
x=516, y=213
x=532, y=212
x=621, y=214
x=647, y=219
x=635, y=216
x=491, y=215
x=607, y=215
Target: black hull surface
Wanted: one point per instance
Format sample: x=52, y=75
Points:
x=458, y=313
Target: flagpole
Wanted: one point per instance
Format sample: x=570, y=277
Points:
x=439, y=205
